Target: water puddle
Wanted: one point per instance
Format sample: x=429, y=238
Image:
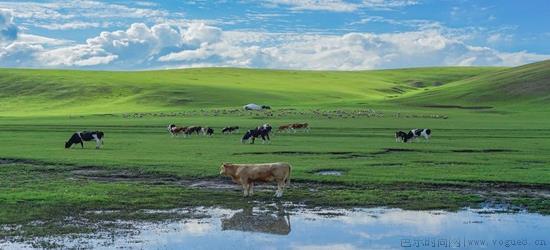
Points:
x=275, y=227
x=329, y=172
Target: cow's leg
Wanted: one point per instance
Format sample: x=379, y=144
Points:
x=245, y=189
x=97, y=142
x=253, y=139
x=280, y=186
x=82, y=143
x=251, y=189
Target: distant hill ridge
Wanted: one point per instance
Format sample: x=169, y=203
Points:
x=60, y=92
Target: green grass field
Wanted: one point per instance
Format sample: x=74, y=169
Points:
x=490, y=142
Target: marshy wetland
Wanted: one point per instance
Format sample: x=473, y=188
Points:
x=485, y=169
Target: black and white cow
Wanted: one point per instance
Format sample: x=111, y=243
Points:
x=81, y=137
x=401, y=136
x=415, y=133
x=261, y=131
x=230, y=130
x=267, y=127
x=208, y=131
x=192, y=129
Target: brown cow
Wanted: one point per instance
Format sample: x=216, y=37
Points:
x=248, y=174
x=284, y=128
x=175, y=130
x=303, y=126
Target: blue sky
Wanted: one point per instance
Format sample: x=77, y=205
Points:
x=282, y=34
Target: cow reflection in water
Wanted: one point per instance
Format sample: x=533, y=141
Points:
x=261, y=222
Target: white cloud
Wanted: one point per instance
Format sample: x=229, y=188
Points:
x=193, y=44
x=46, y=41
x=81, y=14
x=79, y=55
x=8, y=30
x=197, y=228
x=388, y=4
x=18, y=54
x=326, y=5
x=340, y=5
x=73, y=25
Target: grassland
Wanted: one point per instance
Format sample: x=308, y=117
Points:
x=482, y=150
x=61, y=92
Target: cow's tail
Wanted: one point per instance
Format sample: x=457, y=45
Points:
x=287, y=177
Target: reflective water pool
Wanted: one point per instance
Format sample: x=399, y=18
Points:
x=277, y=228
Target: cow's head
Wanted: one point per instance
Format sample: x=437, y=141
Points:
x=223, y=168
x=68, y=144
x=170, y=127
x=246, y=136
x=100, y=134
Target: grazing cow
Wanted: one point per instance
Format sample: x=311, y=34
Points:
x=193, y=129
x=284, y=128
x=207, y=131
x=261, y=131
x=248, y=174
x=175, y=130
x=267, y=127
x=81, y=137
x=401, y=136
x=230, y=130
x=252, y=106
x=303, y=126
x=415, y=133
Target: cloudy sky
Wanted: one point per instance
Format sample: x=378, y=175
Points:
x=281, y=34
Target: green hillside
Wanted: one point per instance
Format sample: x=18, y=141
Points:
x=523, y=85
x=26, y=92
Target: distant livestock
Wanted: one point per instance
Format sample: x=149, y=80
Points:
x=175, y=130
x=189, y=130
x=293, y=127
x=303, y=126
x=207, y=131
x=193, y=129
x=425, y=132
x=253, y=106
x=230, y=130
x=81, y=137
x=248, y=174
x=401, y=136
x=284, y=128
x=261, y=131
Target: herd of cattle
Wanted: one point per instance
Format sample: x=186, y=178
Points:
x=245, y=174
x=251, y=135
x=401, y=136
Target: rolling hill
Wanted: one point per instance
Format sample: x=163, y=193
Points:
x=26, y=92
x=524, y=85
